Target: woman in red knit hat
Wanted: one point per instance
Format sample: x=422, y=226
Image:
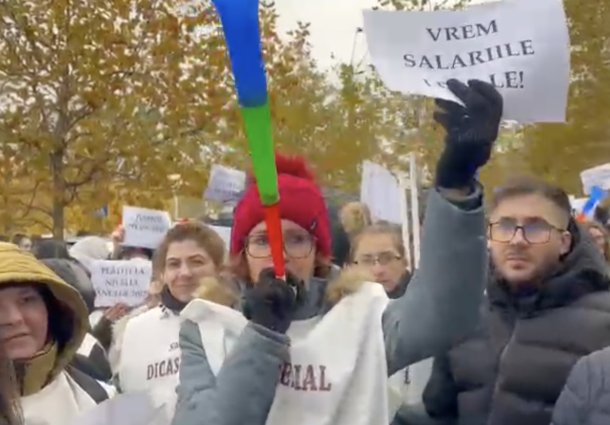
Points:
x=302, y=351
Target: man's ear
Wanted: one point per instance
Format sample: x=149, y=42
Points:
x=566, y=242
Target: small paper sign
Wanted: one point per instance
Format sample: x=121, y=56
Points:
x=118, y=281
x=145, y=228
x=226, y=184
x=596, y=177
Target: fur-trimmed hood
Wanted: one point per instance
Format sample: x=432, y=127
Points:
x=347, y=282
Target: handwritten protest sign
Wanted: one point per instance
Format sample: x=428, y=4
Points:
x=226, y=184
x=597, y=176
x=520, y=46
x=145, y=228
x=120, y=281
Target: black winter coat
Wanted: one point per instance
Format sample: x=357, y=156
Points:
x=585, y=400
x=513, y=370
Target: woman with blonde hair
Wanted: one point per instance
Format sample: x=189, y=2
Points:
x=145, y=355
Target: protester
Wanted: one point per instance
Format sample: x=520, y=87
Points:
x=547, y=305
x=439, y=307
x=22, y=241
x=43, y=321
x=145, y=355
x=379, y=248
x=584, y=399
x=91, y=356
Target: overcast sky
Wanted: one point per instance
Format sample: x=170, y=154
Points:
x=333, y=25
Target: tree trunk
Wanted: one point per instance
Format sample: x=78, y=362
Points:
x=59, y=192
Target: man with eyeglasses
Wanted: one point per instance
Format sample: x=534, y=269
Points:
x=547, y=305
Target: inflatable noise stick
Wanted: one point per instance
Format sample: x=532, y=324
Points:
x=597, y=195
x=241, y=28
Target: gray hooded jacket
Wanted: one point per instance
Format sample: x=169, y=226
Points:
x=439, y=309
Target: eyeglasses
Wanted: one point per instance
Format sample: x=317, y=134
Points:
x=383, y=259
x=296, y=246
x=536, y=232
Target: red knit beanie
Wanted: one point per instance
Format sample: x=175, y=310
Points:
x=300, y=202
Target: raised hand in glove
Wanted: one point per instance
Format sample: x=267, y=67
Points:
x=271, y=302
x=471, y=131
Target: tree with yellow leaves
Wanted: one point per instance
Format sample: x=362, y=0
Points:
x=559, y=152
x=109, y=94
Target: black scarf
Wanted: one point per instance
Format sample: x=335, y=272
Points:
x=170, y=302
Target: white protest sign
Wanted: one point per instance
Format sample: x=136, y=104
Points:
x=225, y=185
x=380, y=191
x=145, y=228
x=520, y=46
x=596, y=176
x=117, y=281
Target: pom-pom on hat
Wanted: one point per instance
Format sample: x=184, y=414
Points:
x=300, y=202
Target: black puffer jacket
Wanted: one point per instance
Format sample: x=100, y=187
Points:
x=585, y=400
x=514, y=369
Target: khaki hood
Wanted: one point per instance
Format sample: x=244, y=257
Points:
x=70, y=320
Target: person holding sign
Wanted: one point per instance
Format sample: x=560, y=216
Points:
x=300, y=351
x=145, y=356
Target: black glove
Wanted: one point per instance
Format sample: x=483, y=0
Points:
x=471, y=131
x=271, y=302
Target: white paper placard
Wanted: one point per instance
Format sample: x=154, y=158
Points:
x=380, y=191
x=118, y=281
x=225, y=185
x=520, y=46
x=596, y=176
x=145, y=228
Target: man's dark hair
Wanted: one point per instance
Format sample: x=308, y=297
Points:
x=523, y=186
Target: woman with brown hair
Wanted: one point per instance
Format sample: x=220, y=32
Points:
x=145, y=355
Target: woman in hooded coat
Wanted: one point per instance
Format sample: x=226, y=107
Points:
x=43, y=322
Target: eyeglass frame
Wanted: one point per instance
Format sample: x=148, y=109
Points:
x=523, y=233
x=376, y=258
x=312, y=239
